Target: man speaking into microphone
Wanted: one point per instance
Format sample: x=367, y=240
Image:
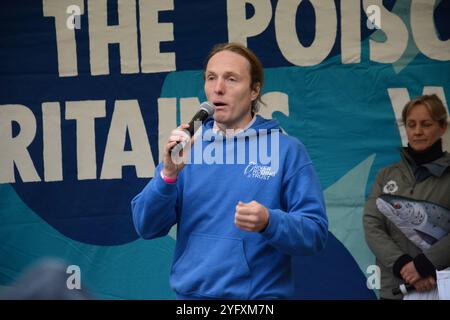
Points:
x=240, y=220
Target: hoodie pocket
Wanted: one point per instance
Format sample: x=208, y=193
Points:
x=212, y=266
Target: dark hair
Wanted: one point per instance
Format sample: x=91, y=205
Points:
x=256, y=67
x=434, y=106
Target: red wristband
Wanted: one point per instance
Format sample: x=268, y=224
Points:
x=167, y=179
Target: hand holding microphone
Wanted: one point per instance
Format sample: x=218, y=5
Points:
x=421, y=285
x=409, y=273
x=179, y=138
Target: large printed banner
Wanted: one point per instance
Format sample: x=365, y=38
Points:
x=90, y=89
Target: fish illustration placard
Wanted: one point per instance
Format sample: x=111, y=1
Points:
x=424, y=223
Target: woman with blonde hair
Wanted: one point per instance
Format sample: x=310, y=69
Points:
x=406, y=217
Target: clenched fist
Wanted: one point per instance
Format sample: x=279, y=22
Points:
x=251, y=216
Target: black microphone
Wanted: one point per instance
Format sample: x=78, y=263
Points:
x=403, y=288
x=206, y=110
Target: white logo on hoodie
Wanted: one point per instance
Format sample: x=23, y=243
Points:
x=260, y=172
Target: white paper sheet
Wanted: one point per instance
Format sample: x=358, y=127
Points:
x=443, y=283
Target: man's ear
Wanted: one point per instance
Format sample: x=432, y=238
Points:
x=255, y=90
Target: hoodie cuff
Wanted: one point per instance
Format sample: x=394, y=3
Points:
x=162, y=187
x=271, y=228
x=400, y=263
x=424, y=266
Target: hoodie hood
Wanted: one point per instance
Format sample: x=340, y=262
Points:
x=260, y=126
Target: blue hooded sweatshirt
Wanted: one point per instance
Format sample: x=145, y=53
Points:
x=213, y=258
